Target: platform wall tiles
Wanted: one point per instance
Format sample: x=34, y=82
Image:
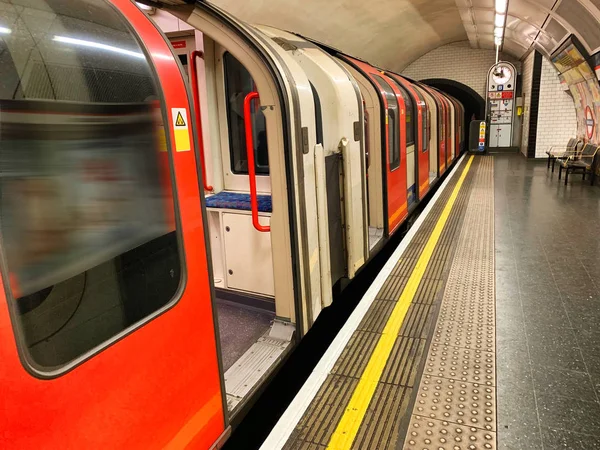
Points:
x=457, y=62
x=557, y=119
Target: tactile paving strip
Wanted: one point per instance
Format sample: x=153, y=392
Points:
x=455, y=408
x=380, y=427
x=441, y=434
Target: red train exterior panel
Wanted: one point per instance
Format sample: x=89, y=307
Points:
x=156, y=387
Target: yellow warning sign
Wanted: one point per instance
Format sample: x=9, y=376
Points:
x=180, y=129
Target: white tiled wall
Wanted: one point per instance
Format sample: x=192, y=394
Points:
x=458, y=62
x=557, y=121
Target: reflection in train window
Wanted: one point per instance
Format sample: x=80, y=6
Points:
x=409, y=111
x=238, y=84
x=86, y=208
x=424, y=119
x=393, y=123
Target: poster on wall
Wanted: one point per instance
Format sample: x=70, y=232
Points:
x=573, y=64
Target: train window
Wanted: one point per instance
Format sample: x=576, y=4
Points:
x=318, y=115
x=86, y=207
x=238, y=84
x=410, y=122
x=424, y=119
x=393, y=123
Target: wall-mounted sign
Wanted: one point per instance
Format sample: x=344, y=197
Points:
x=590, y=122
x=501, y=82
x=178, y=44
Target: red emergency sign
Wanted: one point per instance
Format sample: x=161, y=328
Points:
x=178, y=44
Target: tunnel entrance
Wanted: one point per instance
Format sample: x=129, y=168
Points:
x=471, y=100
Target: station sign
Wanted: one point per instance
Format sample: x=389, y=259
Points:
x=590, y=122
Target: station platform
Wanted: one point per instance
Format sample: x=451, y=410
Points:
x=480, y=332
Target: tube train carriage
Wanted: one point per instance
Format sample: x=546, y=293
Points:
x=123, y=323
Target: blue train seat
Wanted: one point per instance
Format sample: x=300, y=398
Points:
x=236, y=200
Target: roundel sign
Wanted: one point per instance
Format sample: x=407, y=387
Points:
x=590, y=122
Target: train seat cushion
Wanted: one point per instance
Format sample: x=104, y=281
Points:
x=235, y=200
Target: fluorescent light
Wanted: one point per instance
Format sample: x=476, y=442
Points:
x=499, y=20
x=98, y=45
x=498, y=41
x=498, y=32
x=5, y=30
x=501, y=6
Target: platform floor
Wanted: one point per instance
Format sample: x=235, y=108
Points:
x=548, y=308
x=481, y=332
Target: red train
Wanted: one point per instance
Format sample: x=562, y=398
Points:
x=181, y=191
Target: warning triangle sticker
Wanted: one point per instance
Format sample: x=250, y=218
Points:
x=179, y=121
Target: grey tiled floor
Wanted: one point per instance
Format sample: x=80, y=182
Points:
x=548, y=308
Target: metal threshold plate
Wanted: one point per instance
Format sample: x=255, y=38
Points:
x=252, y=368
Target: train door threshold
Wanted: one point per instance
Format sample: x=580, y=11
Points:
x=247, y=373
x=414, y=366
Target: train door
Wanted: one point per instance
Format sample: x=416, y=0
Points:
x=447, y=128
x=423, y=127
x=452, y=127
x=411, y=144
x=264, y=217
x=432, y=140
x=460, y=119
x=417, y=159
x=442, y=130
x=107, y=337
x=396, y=128
x=457, y=125
x=339, y=158
x=393, y=146
x=188, y=46
x=375, y=155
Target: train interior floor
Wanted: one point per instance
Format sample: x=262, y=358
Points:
x=482, y=332
x=239, y=329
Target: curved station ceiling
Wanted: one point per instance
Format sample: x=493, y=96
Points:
x=394, y=33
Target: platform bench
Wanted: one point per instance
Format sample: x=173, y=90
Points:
x=583, y=163
x=557, y=152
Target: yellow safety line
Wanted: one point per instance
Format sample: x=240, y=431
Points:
x=348, y=426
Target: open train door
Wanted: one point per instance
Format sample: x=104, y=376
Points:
x=107, y=335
